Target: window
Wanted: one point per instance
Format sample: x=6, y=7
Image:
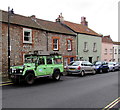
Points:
x=94, y=47
x=41, y=61
x=57, y=61
x=85, y=46
x=115, y=51
x=118, y=51
x=69, y=44
x=49, y=61
x=111, y=51
x=55, y=43
x=27, y=35
x=105, y=52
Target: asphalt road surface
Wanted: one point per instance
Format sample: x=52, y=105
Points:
x=90, y=91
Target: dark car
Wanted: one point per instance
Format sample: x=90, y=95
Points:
x=101, y=66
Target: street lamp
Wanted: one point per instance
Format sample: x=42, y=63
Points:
x=10, y=12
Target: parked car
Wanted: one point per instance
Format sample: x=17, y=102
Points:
x=118, y=66
x=113, y=66
x=81, y=67
x=36, y=66
x=101, y=66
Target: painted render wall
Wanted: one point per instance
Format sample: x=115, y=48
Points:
x=109, y=55
x=116, y=53
x=96, y=56
x=0, y=42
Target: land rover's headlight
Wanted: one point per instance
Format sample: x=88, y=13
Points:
x=21, y=71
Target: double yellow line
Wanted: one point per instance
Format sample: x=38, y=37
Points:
x=112, y=104
x=6, y=83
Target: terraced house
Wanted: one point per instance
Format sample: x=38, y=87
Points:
x=88, y=41
x=116, y=51
x=107, y=48
x=30, y=34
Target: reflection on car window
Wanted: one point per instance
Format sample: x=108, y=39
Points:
x=30, y=59
x=76, y=63
x=98, y=63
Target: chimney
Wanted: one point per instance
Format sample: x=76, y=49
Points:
x=60, y=18
x=33, y=16
x=83, y=21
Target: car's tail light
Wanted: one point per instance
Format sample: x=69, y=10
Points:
x=79, y=68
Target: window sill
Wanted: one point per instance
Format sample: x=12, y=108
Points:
x=85, y=50
x=94, y=50
x=55, y=50
x=69, y=50
x=27, y=42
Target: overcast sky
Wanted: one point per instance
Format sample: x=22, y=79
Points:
x=102, y=15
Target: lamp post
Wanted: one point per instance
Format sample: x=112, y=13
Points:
x=9, y=46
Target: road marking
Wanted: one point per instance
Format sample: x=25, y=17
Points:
x=112, y=104
x=4, y=84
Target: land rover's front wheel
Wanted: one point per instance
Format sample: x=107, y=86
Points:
x=30, y=78
x=56, y=75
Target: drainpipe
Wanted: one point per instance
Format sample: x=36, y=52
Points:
x=47, y=41
x=77, y=46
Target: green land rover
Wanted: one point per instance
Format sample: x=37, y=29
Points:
x=36, y=66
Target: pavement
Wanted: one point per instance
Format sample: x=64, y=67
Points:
x=4, y=78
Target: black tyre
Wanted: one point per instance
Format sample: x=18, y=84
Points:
x=101, y=71
x=56, y=75
x=113, y=69
x=94, y=72
x=82, y=73
x=30, y=78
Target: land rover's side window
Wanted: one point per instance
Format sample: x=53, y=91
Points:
x=49, y=60
x=58, y=61
x=41, y=61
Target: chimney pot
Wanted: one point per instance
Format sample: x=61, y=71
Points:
x=83, y=21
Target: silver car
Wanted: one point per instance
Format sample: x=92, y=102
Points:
x=81, y=67
x=113, y=66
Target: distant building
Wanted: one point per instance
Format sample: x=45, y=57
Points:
x=107, y=49
x=116, y=51
x=88, y=41
x=30, y=34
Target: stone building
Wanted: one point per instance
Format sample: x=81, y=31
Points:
x=31, y=34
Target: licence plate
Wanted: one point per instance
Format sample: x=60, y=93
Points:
x=72, y=69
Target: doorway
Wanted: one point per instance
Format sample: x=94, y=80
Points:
x=90, y=59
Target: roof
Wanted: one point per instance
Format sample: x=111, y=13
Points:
x=36, y=23
x=79, y=28
x=116, y=43
x=107, y=39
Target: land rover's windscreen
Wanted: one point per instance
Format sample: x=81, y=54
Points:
x=30, y=59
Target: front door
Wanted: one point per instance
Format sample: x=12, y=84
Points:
x=49, y=65
x=90, y=59
x=41, y=68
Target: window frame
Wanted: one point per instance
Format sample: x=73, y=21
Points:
x=85, y=47
x=94, y=47
x=69, y=44
x=58, y=43
x=105, y=51
x=30, y=36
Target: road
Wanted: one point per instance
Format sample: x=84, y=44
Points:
x=90, y=91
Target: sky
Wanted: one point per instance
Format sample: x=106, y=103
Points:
x=102, y=15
